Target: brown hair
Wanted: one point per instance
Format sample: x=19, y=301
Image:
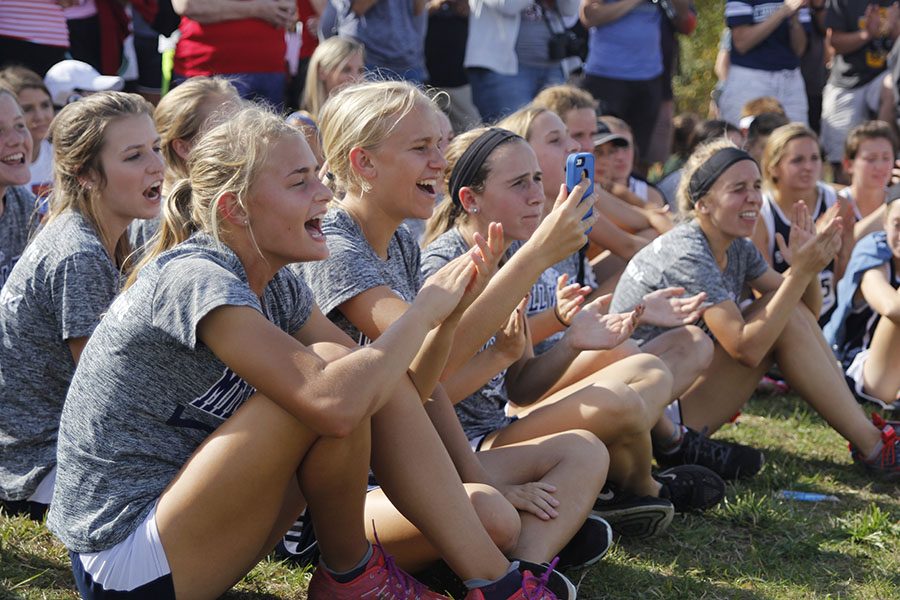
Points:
x=870, y=130
x=17, y=78
x=763, y=104
x=777, y=144
x=79, y=133
x=563, y=98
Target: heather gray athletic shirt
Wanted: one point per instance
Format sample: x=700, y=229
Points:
x=57, y=291
x=483, y=411
x=16, y=224
x=682, y=258
x=147, y=392
x=353, y=267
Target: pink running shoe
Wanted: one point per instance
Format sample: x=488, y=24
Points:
x=382, y=580
x=533, y=588
x=887, y=464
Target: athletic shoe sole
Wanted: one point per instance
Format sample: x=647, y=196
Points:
x=638, y=521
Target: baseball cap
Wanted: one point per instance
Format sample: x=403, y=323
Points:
x=68, y=77
x=604, y=134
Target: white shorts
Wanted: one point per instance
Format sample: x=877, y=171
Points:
x=743, y=85
x=133, y=562
x=854, y=376
x=44, y=492
x=843, y=109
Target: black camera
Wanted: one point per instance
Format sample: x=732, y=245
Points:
x=565, y=44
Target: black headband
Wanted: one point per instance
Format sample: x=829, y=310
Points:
x=471, y=160
x=709, y=172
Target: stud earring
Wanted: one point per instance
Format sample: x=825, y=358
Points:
x=474, y=210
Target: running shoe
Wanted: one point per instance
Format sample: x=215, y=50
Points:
x=727, y=459
x=631, y=515
x=587, y=546
x=382, y=579
x=887, y=464
x=298, y=545
x=534, y=587
x=691, y=487
x=561, y=586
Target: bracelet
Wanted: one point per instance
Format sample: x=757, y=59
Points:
x=559, y=316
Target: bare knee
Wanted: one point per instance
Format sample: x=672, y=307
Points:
x=694, y=343
x=499, y=518
x=587, y=455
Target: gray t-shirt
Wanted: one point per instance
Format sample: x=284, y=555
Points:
x=483, y=411
x=682, y=258
x=16, y=224
x=57, y=291
x=147, y=392
x=353, y=267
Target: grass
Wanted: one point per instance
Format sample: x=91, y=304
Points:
x=755, y=545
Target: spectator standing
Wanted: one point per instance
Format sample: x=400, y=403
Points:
x=34, y=33
x=625, y=64
x=862, y=34
x=393, y=32
x=767, y=40
x=812, y=64
x=243, y=39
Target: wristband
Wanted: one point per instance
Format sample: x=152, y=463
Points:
x=559, y=316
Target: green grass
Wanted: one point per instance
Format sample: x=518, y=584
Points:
x=753, y=546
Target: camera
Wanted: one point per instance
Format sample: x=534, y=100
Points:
x=565, y=44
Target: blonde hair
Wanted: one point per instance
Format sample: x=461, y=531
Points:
x=616, y=124
x=449, y=212
x=701, y=154
x=522, y=121
x=776, y=146
x=363, y=116
x=178, y=117
x=330, y=55
x=79, y=133
x=563, y=98
x=226, y=160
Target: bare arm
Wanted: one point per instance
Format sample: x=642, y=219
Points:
x=797, y=36
x=596, y=12
x=607, y=235
x=76, y=347
x=880, y=295
x=361, y=7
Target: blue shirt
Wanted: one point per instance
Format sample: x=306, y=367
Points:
x=628, y=48
x=394, y=38
x=773, y=53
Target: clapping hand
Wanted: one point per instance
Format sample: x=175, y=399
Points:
x=593, y=330
x=569, y=298
x=668, y=308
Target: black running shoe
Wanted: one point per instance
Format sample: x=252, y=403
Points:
x=631, y=515
x=557, y=583
x=727, y=459
x=691, y=487
x=587, y=546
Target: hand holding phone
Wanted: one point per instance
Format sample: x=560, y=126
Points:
x=580, y=165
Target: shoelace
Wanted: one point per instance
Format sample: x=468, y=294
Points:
x=540, y=583
x=719, y=454
x=402, y=580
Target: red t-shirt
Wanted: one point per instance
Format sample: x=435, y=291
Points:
x=239, y=46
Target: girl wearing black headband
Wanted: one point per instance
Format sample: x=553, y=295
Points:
x=384, y=146
x=507, y=189
x=791, y=168
x=721, y=191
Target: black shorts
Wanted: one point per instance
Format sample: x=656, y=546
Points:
x=159, y=589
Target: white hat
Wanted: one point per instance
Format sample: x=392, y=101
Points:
x=71, y=76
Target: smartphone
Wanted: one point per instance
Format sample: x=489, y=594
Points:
x=580, y=165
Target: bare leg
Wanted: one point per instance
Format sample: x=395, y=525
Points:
x=413, y=551
x=251, y=460
x=417, y=474
x=881, y=376
x=575, y=462
x=589, y=362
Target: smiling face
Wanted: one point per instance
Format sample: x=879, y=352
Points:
x=871, y=169
x=731, y=208
x=133, y=169
x=407, y=166
x=350, y=70
x=800, y=166
x=552, y=144
x=286, y=204
x=15, y=144
x=38, y=111
x=513, y=193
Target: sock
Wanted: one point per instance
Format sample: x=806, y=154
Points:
x=499, y=589
x=673, y=442
x=876, y=453
x=348, y=576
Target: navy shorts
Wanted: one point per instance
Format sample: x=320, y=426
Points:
x=159, y=589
